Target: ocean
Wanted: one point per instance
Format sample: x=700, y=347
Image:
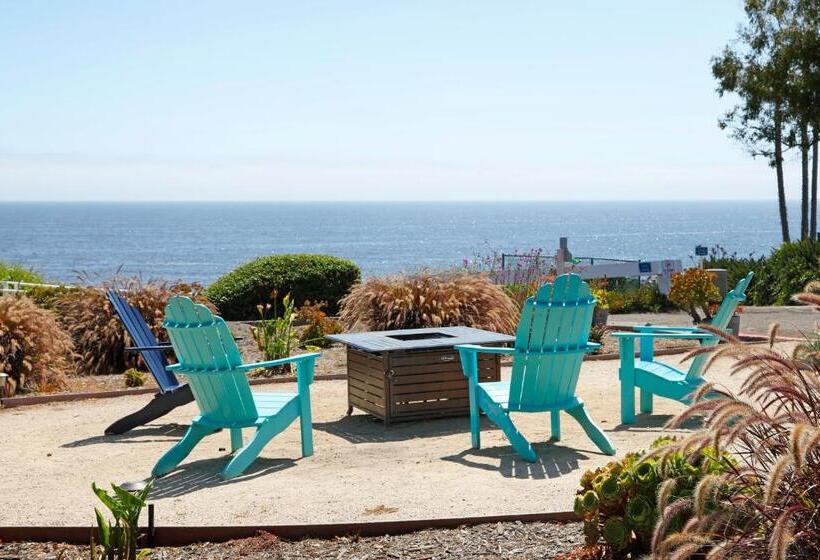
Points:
x=201, y=241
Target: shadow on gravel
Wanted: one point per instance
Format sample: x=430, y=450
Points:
x=162, y=433
x=655, y=423
x=553, y=461
x=203, y=474
x=363, y=428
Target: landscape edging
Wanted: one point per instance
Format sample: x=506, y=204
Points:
x=182, y=535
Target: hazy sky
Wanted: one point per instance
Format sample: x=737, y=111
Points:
x=370, y=100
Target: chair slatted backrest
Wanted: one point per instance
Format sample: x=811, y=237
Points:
x=208, y=356
x=142, y=336
x=721, y=321
x=550, y=342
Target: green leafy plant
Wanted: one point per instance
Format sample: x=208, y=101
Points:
x=629, y=297
x=426, y=299
x=120, y=540
x=303, y=276
x=694, y=291
x=35, y=351
x=18, y=273
x=619, y=502
x=785, y=272
x=768, y=504
x=274, y=333
x=737, y=267
x=134, y=378
x=318, y=325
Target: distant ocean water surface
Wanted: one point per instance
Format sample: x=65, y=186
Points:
x=201, y=241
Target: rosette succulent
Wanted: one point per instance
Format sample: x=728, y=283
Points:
x=616, y=533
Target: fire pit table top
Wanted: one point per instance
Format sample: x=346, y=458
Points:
x=419, y=339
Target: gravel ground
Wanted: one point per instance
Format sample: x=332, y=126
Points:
x=503, y=540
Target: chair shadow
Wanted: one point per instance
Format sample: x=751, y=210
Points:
x=199, y=475
x=655, y=422
x=162, y=433
x=553, y=461
x=363, y=428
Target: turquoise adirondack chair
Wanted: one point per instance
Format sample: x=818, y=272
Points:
x=209, y=358
x=658, y=378
x=552, y=338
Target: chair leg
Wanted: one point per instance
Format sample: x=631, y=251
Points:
x=245, y=456
x=555, y=425
x=306, y=429
x=519, y=443
x=178, y=452
x=236, y=439
x=627, y=401
x=592, y=430
x=159, y=406
x=475, y=424
x=646, y=401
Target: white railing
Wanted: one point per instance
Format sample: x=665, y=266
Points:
x=15, y=287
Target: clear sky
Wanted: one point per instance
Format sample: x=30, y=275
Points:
x=354, y=100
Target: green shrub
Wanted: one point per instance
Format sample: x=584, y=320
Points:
x=47, y=297
x=17, y=273
x=785, y=272
x=736, y=267
x=134, y=378
x=303, y=276
x=632, y=299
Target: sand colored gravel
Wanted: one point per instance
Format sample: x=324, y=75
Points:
x=360, y=471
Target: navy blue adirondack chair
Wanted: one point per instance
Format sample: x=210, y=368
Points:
x=171, y=392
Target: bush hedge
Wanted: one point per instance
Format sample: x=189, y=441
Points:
x=785, y=272
x=306, y=277
x=17, y=273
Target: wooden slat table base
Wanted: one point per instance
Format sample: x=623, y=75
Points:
x=412, y=385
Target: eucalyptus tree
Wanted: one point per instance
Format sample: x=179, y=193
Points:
x=755, y=68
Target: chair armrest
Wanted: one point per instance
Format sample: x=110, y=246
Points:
x=260, y=365
x=665, y=328
x=680, y=335
x=163, y=346
x=279, y=362
x=485, y=349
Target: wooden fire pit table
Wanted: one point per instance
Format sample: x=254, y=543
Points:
x=414, y=373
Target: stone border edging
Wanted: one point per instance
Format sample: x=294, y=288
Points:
x=180, y=536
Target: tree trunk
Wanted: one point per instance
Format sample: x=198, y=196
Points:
x=804, y=180
x=778, y=163
x=813, y=211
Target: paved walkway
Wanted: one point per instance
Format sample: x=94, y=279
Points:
x=754, y=320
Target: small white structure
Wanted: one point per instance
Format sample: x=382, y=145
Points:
x=661, y=270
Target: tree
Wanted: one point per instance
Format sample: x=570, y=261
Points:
x=773, y=70
x=753, y=69
x=801, y=53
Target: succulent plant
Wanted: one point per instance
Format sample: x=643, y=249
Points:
x=618, y=502
x=646, y=477
x=609, y=492
x=616, y=533
x=640, y=513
